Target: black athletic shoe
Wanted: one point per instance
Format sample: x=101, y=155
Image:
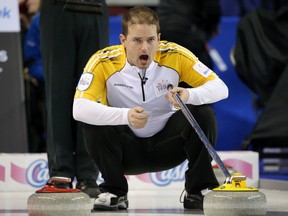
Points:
x=109, y=201
x=89, y=187
x=195, y=201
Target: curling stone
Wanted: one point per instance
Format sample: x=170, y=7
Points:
x=52, y=201
x=234, y=198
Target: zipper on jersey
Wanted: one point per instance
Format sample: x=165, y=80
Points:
x=143, y=81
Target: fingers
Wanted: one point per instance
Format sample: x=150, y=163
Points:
x=183, y=93
x=137, y=118
x=170, y=98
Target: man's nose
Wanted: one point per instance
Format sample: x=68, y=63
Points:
x=144, y=46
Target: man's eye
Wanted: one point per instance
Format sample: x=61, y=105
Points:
x=137, y=40
x=151, y=40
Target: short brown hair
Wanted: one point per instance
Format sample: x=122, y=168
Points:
x=139, y=15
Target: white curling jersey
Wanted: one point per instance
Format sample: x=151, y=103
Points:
x=109, y=79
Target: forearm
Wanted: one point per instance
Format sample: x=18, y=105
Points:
x=94, y=113
x=211, y=92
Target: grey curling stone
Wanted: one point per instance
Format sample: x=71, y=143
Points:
x=236, y=203
x=51, y=201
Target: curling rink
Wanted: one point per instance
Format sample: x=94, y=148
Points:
x=151, y=194
x=152, y=203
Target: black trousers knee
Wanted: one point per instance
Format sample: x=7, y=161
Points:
x=118, y=152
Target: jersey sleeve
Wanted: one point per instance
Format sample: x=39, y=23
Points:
x=185, y=63
x=192, y=70
x=92, y=83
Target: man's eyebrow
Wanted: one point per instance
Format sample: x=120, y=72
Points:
x=141, y=38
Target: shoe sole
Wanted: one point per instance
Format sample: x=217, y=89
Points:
x=120, y=206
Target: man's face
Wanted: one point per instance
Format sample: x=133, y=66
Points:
x=141, y=44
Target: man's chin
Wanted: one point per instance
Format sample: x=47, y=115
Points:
x=143, y=66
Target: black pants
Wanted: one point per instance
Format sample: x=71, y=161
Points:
x=36, y=116
x=117, y=151
x=68, y=40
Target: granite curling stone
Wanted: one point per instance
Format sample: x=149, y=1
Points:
x=52, y=201
x=235, y=199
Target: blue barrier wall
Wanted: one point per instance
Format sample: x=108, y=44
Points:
x=235, y=115
x=115, y=29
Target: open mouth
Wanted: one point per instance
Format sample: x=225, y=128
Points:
x=143, y=57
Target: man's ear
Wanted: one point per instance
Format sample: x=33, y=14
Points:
x=122, y=39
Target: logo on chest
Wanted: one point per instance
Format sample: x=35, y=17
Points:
x=160, y=87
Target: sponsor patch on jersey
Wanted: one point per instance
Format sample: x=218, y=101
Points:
x=160, y=87
x=202, y=69
x=85, y=81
